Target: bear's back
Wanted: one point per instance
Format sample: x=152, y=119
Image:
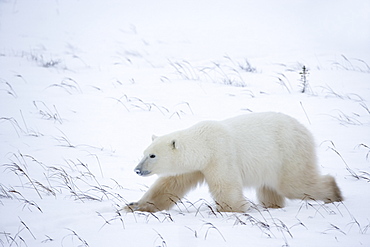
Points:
x=264, y=142
x=264, y=125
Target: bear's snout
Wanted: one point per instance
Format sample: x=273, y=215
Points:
x=140, y=170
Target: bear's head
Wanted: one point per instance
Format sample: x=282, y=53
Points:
x=183, y=151
x=161, y=157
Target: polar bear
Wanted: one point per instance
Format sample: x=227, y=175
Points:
x=271, y=152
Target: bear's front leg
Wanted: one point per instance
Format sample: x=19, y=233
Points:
x=165, y=192
x=228, y=195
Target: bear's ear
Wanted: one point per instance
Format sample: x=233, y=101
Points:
x=174, y=144
x=154, y=137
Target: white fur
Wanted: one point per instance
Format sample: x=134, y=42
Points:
x=271, y=152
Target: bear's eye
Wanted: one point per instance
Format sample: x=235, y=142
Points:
x=152, y=156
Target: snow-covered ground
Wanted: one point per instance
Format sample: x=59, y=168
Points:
x=84, y=84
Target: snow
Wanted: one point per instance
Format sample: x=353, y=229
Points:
x=84, y=85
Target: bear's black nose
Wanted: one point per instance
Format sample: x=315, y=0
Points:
x=141, y=172
x=138, y=172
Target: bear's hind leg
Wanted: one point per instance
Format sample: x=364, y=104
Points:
x=323, y=188
x=269, y=198
x=165, y=192
x=335, y=195
x=326, y=190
